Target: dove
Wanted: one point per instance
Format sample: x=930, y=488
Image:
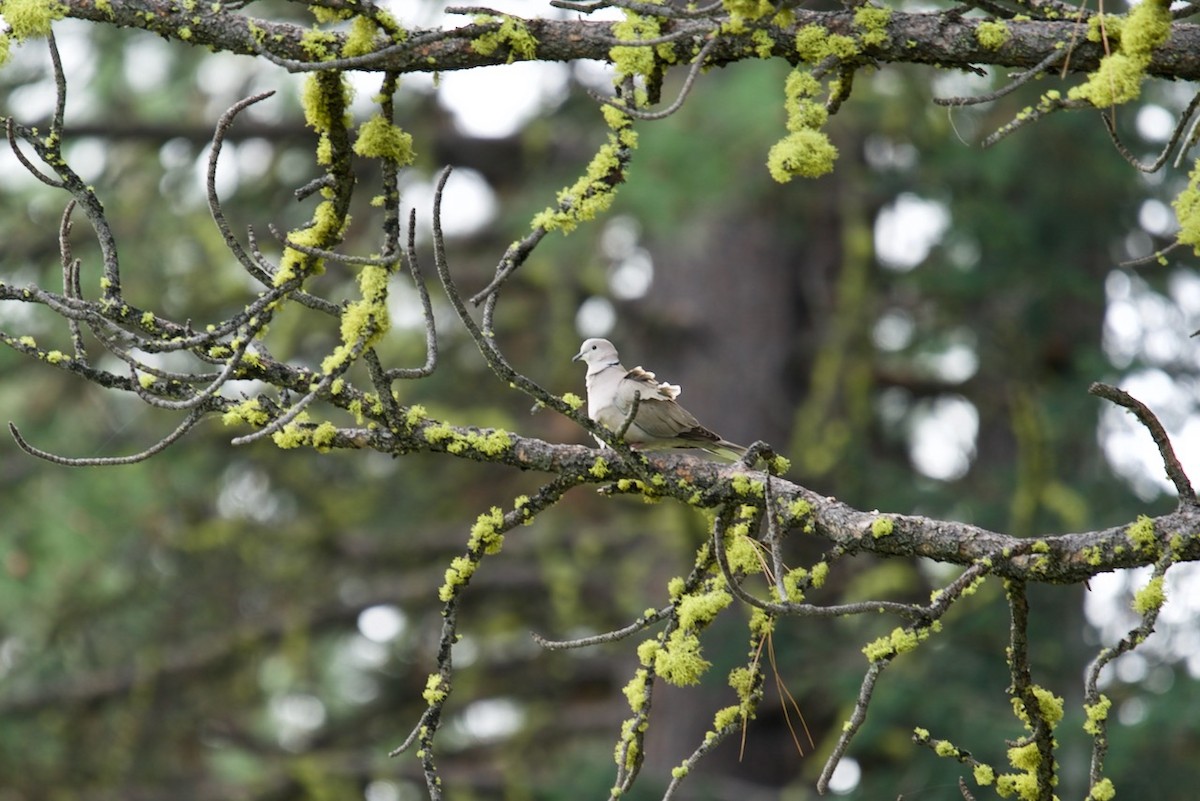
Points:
x=660, y=422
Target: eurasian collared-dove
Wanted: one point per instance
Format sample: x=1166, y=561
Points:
x=660, y=421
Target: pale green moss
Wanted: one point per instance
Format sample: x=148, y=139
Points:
x=145, y=380
x=634, y=60
x=457, y=574
x=814, y=44
x=807, y=153
x=1141, y=534
x=292, y=435
x=485, y=535
x=699, y=610
x=647, y=649
x=1119, y=77
x=873, y=23
x=30, y=18
x=380, y=139
x=1096, y=714
x=945, y=748
x=635, y=690
x=323, y=436
x=5, y=48
x=513, y=34
x=318, y=44
x=250, y=411
x=882, y=526
x=599, y=468
x=984, y=775
x=679, y=661
x=820, y=572
x=493, y=443
x=436, y=689
x=439, y=432
x=415, y=414
x=1103, y=791
x=898, y=642
x=993, y=34
x=1050, y=706
x=360, y=39
x=28, y=341
x=745, y=486
x=1150, y=597
x=572, y=400
x=56, y=356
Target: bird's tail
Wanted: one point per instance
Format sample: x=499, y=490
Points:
x=726, y=449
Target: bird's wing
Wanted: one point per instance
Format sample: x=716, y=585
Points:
x=651, y=388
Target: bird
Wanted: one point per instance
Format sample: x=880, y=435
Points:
x=660, y=422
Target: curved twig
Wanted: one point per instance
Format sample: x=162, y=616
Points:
x=1147, y=418
x=107, y=461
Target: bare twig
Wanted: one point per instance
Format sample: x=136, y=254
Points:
x=1147, y=418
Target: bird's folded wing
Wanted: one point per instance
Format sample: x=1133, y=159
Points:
x=651, y=388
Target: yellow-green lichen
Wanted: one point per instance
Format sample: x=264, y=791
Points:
x=872, y=22
x=679, y=661
x=984, y=775
x=1096, y=714
x=807, y=153
x=1050, y=706
x=56, y=356
x=646, y=651
x=513, y=34
x=145, y=380
x=31, y=18
x=993, y=34
x=743, y=485
x=635, y=60
x=635, y=690
x=898, y=642
x=814, y=44
x=249, y=411
x=457, y=574
x=323, y=436
x=1119, y=77
x=572, y=400
x=882, y=526
x=380, y=139
x=1150, y=597
x=360, y=39
x=592, y=194
x=1141, y=534
x=485, y=534
x=1102, y=791
x=945, y=748
x=698, y=610
x=599, y=468
x=436, y=689
x=318, y=44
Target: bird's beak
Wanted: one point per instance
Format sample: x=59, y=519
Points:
x=577, y=356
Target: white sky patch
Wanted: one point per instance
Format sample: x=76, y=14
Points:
x=382, y=623
x=907, y=229
x=846, y=776
x=467, y=205
x=942, y=437
x=1154, y=123
x=595, y=317
x=497, y=101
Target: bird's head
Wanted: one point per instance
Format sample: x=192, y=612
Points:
x=596, y=351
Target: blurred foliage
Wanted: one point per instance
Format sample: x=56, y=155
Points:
x=189, y=627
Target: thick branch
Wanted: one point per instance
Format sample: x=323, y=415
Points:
x=941, y=39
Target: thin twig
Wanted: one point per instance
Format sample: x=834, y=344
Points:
x=640, y=624
x=1147, y=418
x=108, y=461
